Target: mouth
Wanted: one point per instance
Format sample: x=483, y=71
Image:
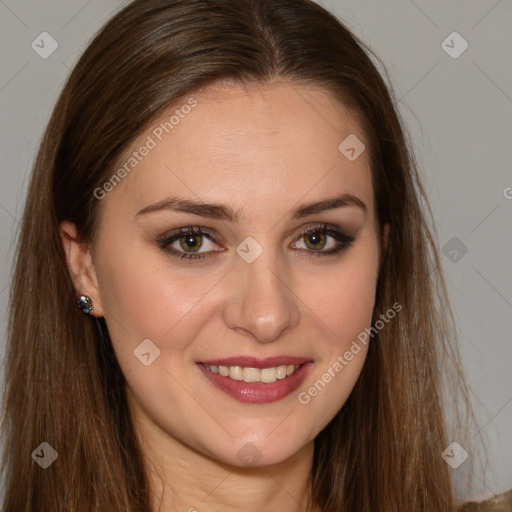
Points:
x=249, y=374
x=254, y=380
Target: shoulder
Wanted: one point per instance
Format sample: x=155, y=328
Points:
x=499, y=503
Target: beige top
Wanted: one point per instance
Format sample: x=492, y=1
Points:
x=499, y=503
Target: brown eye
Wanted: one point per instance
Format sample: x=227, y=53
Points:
x=186, y=243
x=315, y=240
x=191, y=241
x=321, y=240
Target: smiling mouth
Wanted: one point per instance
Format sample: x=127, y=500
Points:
x=249, y=374
x=257, y=381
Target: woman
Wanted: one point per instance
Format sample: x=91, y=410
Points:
x=227, y=294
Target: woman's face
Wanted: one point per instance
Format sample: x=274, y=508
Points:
x=258, y=291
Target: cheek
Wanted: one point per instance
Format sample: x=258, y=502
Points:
x=148, y=297
x=344, y=304
x=345, y=298
x=151, y=303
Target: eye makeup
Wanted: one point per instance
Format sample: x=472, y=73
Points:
x=190, y=240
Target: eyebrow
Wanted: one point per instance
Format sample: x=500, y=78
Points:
x=226, y=213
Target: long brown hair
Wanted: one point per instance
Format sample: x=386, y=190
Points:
x=382, y=451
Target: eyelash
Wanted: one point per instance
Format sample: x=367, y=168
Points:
x=344, y=240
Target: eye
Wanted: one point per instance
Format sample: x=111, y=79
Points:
x=188, y=242
x=191, y=239
x=316, y=240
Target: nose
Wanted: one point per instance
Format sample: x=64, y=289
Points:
x=262, y=304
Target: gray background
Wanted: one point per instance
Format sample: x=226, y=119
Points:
x=458, y=111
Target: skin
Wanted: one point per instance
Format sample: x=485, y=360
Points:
x=263, y=150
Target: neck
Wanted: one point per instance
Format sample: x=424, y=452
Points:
x=183, y=479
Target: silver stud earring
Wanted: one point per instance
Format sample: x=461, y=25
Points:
x=85, y=304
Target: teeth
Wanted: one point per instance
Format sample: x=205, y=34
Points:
x=269, y=375
x=265, y=375
x=281, y=372
x=251, y=375
x=236, y=372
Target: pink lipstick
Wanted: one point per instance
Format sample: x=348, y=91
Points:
x=253, y=380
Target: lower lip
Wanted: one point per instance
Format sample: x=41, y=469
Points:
x=258, y=392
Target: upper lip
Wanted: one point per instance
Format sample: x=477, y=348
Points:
x=254, y=362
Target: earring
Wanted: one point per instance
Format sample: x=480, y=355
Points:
x=85, y=304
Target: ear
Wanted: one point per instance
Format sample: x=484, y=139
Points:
x=81, y=266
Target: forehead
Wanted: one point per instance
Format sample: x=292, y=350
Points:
x=265, y=146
